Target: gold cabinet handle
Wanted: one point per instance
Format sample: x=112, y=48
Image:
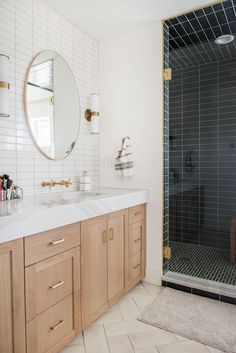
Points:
x=111, y=234
x=56, y=242
x=137, y=240
x=104, y=236
x=60, y=323
x=137, y=213
x=136, y=266
x=60, y=283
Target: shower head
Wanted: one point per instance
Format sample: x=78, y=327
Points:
x=225, y=39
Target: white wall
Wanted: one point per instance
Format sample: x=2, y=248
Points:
x=131, y=104
x=26, y=28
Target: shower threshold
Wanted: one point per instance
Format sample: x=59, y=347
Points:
x=201, y=267
x=221, y=289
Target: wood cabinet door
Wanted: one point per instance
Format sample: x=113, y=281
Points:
x=94, y=241
x=117, y=254
x=50, y=281
x=12, y=317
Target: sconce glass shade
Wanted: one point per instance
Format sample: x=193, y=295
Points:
x=4, y=86
x=94, y=107
x=94, y=127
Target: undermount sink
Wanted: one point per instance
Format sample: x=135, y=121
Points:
x=67, y=197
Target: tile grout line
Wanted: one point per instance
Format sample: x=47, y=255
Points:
x=106, y=338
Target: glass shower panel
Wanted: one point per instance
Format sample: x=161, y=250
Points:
x=202, y=170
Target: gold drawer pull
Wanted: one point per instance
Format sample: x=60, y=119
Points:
x=136, y=266
x=111, y=234
x=56, y=242
x=137, y=213
x=137, y=240
x=60, y=283
x=60, y=323
x=104, y=237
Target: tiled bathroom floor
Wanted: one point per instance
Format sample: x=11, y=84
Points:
x=119, y=331
x=202, y=262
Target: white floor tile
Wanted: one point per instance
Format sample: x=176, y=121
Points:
x=128, y=308
x=114, y=307
x=119, y=331
x=78, y=348
x=183, y=347
x=151, y=338
x=109, y=317
x=147, y=350
x=138, y=290
x=77, y=340
x=143, y=300
x=120, y=344
x=95, y=340
x=126, y=327
x=181, y=338
x=152, y=288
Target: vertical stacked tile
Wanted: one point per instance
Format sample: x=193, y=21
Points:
x=26, y=28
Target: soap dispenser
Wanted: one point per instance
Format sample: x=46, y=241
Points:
x=85, y=182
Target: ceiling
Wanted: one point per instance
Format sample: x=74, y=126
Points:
x=192, y=36
x=101, y=18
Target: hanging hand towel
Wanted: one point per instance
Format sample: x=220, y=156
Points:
x=124, y=164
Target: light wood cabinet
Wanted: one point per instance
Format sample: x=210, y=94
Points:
x=94, y=281
x=52, y=329
x=117, y=250
x=52, y=289
x=49, y=281
x=46, y=244
x=56, y=282
x=12, y=311
x=103, y=252
x=137, y=245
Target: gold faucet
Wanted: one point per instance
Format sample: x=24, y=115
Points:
x=52, y=183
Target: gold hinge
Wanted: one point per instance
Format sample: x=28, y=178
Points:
x=167, y=74
x=167, y=252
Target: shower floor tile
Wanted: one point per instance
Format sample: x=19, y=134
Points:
x=202, y=262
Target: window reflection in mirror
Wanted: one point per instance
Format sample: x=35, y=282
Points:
x=40, y=105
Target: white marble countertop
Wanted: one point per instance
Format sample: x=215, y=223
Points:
x=38, y=213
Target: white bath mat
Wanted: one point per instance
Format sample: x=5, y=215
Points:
x=200, y=319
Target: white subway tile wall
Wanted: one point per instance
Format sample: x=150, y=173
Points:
x=26, y=28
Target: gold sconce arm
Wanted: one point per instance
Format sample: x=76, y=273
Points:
x=88, y=114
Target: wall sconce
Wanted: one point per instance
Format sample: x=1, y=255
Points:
x=92, y=114
x=4, y=86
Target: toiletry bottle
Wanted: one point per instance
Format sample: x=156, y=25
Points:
x=85, y=182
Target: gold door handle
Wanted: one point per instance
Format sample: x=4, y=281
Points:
x=136, y=240
x=111, y=234
x=104, y=237
x=60, y=323
x=56, y=242
x=136, y=266
x=60, y=283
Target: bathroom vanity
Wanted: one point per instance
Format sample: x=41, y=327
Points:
x=56, y=280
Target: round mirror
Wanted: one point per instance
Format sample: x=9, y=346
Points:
x=52, y=105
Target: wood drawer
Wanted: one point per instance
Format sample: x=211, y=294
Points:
x=46, y=244
x=136, y=237
x=135, y=266
x=52, y=329
x=136, y=213
x=49, y=281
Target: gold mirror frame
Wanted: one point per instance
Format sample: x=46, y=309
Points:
x=26, y=105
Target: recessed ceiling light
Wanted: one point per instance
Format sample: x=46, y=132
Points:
x=225, y=39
